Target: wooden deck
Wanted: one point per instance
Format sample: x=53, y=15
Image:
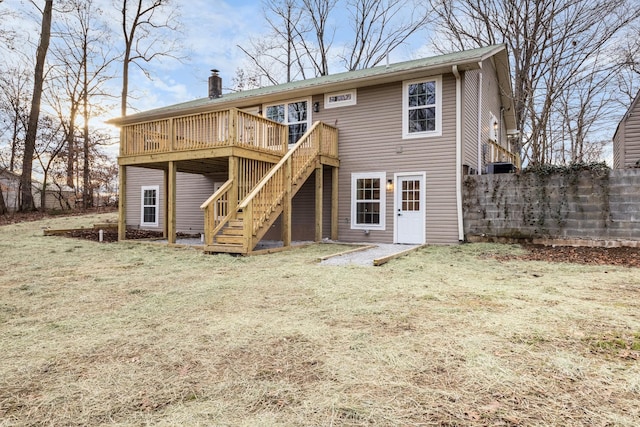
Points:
x=203, y=136
x=263, y=173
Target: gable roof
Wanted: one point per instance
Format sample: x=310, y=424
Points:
x=464, y=60
x=9, y=175
x=627, y=114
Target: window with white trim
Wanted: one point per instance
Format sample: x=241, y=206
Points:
x=150, y=205
x=368, y=201
x=296, y=114
x=340, y=99
x=422, y=108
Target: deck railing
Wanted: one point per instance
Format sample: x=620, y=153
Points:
x=206, y=130
x=320, y=139
x=498, y=153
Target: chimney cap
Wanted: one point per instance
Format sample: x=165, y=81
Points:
x=214, y=71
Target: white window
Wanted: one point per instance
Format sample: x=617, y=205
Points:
x=296, y=114
x=150, y=202
x=368, y=201
x=422, y=108
x=340, y=99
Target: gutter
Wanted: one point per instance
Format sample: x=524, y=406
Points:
x=456, y=73
x=479, y=170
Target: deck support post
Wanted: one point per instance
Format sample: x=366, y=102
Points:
x=334, y=203
x=122, y=203
x=319, y=197
x=234, y=174
x=286, y=206
x=170, y=189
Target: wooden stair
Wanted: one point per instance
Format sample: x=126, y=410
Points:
x=243, y=229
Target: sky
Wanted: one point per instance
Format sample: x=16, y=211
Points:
x=212, y=31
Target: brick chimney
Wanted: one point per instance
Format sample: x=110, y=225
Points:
x=215, y=85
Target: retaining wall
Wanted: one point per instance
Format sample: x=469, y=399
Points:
x=600, y=206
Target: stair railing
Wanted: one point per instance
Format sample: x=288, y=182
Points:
x=268, y=194
x=216, y=212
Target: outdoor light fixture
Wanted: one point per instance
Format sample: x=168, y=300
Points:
x=389, y=185
x=316, y=107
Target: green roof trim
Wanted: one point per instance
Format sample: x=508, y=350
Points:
x=189, y=107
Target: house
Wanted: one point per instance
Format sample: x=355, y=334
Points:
x=56, y=197
x=373, y=155
x=10, y=187
x=626, y=140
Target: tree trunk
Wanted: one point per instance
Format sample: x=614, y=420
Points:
x=3, y=206
x=26, y=202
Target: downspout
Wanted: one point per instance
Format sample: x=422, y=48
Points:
x=456, y=73
x=480, y=120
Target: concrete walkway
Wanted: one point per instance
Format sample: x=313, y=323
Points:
x=370, y=255
x=367, y=255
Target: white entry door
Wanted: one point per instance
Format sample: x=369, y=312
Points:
x=410, y=209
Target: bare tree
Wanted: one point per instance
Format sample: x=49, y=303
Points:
x=3, y=206
x=301, y=41
x=7, y=36
x=92, y=59
x=51, y=141
x=269, y=56
x=14, y=110
x=554, y=45
x=26, y=201
x=149, y=28
x=378, y=29
x=628, y=79
x=317, y=47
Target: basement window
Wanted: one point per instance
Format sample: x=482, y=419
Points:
x=150, y=203
x=368, y=201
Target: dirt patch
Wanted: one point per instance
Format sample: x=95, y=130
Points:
x=110, y=235
x=18, y=217
x=622, y=256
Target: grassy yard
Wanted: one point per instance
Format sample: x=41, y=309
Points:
x=135, y=334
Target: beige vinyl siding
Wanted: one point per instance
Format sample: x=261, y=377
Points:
x=618, y=146
x=626, y=140
x=491, y=102
x=370, y=140
x=470, y=119
x=191, y=191
x=631, y=145
x=136, y=179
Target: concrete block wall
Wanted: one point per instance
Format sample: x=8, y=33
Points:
x=593, y=205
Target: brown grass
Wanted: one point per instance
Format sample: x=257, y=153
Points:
x=134, y=334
